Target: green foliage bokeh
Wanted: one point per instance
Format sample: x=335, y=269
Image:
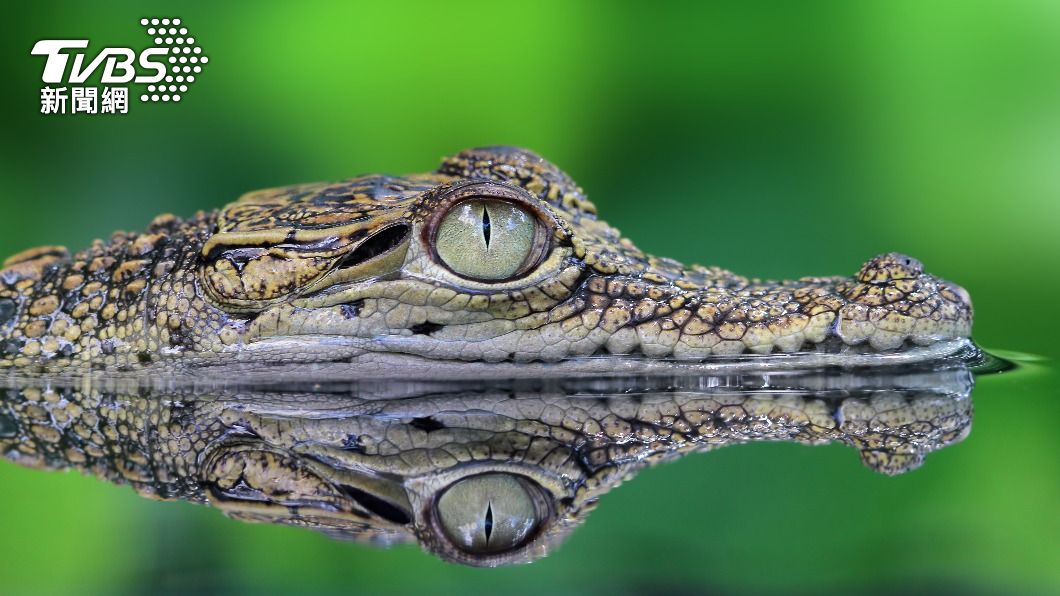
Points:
x=776, y=140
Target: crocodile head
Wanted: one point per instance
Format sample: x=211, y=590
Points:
x=499, y=256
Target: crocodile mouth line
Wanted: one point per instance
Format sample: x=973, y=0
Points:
x=358, y=353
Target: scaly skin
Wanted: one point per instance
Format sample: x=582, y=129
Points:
x=291, y=275
x=372, y=466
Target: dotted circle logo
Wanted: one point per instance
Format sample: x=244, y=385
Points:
x=185, y=60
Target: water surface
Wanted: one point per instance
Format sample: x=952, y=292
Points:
x=390, y=450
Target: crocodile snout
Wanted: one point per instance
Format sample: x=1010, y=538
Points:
x=893, y=301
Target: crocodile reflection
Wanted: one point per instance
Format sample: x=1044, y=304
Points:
x=477, y=475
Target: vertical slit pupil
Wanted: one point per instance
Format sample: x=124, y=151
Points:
x=489, y=521
x=486, y=225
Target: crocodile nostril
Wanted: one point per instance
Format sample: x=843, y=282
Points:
x=890, y=267
x=912, y=266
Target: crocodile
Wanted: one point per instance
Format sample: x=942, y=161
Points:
x=496, y=258
x=481, y=475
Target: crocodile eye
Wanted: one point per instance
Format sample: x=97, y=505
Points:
x=489, y=239
x=489, y=513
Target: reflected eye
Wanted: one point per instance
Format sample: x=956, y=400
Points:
x=488, y=239
x=490, y=513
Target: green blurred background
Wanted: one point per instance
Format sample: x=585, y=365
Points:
x=777, y=140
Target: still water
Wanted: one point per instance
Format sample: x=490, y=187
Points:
x=491, y=475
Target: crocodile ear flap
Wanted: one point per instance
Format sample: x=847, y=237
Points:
x=524, y=168
x=252, y=278
x=248, y=275
x=258, y=484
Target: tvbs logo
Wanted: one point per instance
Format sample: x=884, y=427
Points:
x=119, y=63
x=167, y=69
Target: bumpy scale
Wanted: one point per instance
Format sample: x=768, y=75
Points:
x=330, y=272
x=377, y=465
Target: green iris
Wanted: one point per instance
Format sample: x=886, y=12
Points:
x=486, y=239
x=489, y=513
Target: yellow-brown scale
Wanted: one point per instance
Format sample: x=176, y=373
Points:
x=102, y=308
x=278, y=275
x=363, y=467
